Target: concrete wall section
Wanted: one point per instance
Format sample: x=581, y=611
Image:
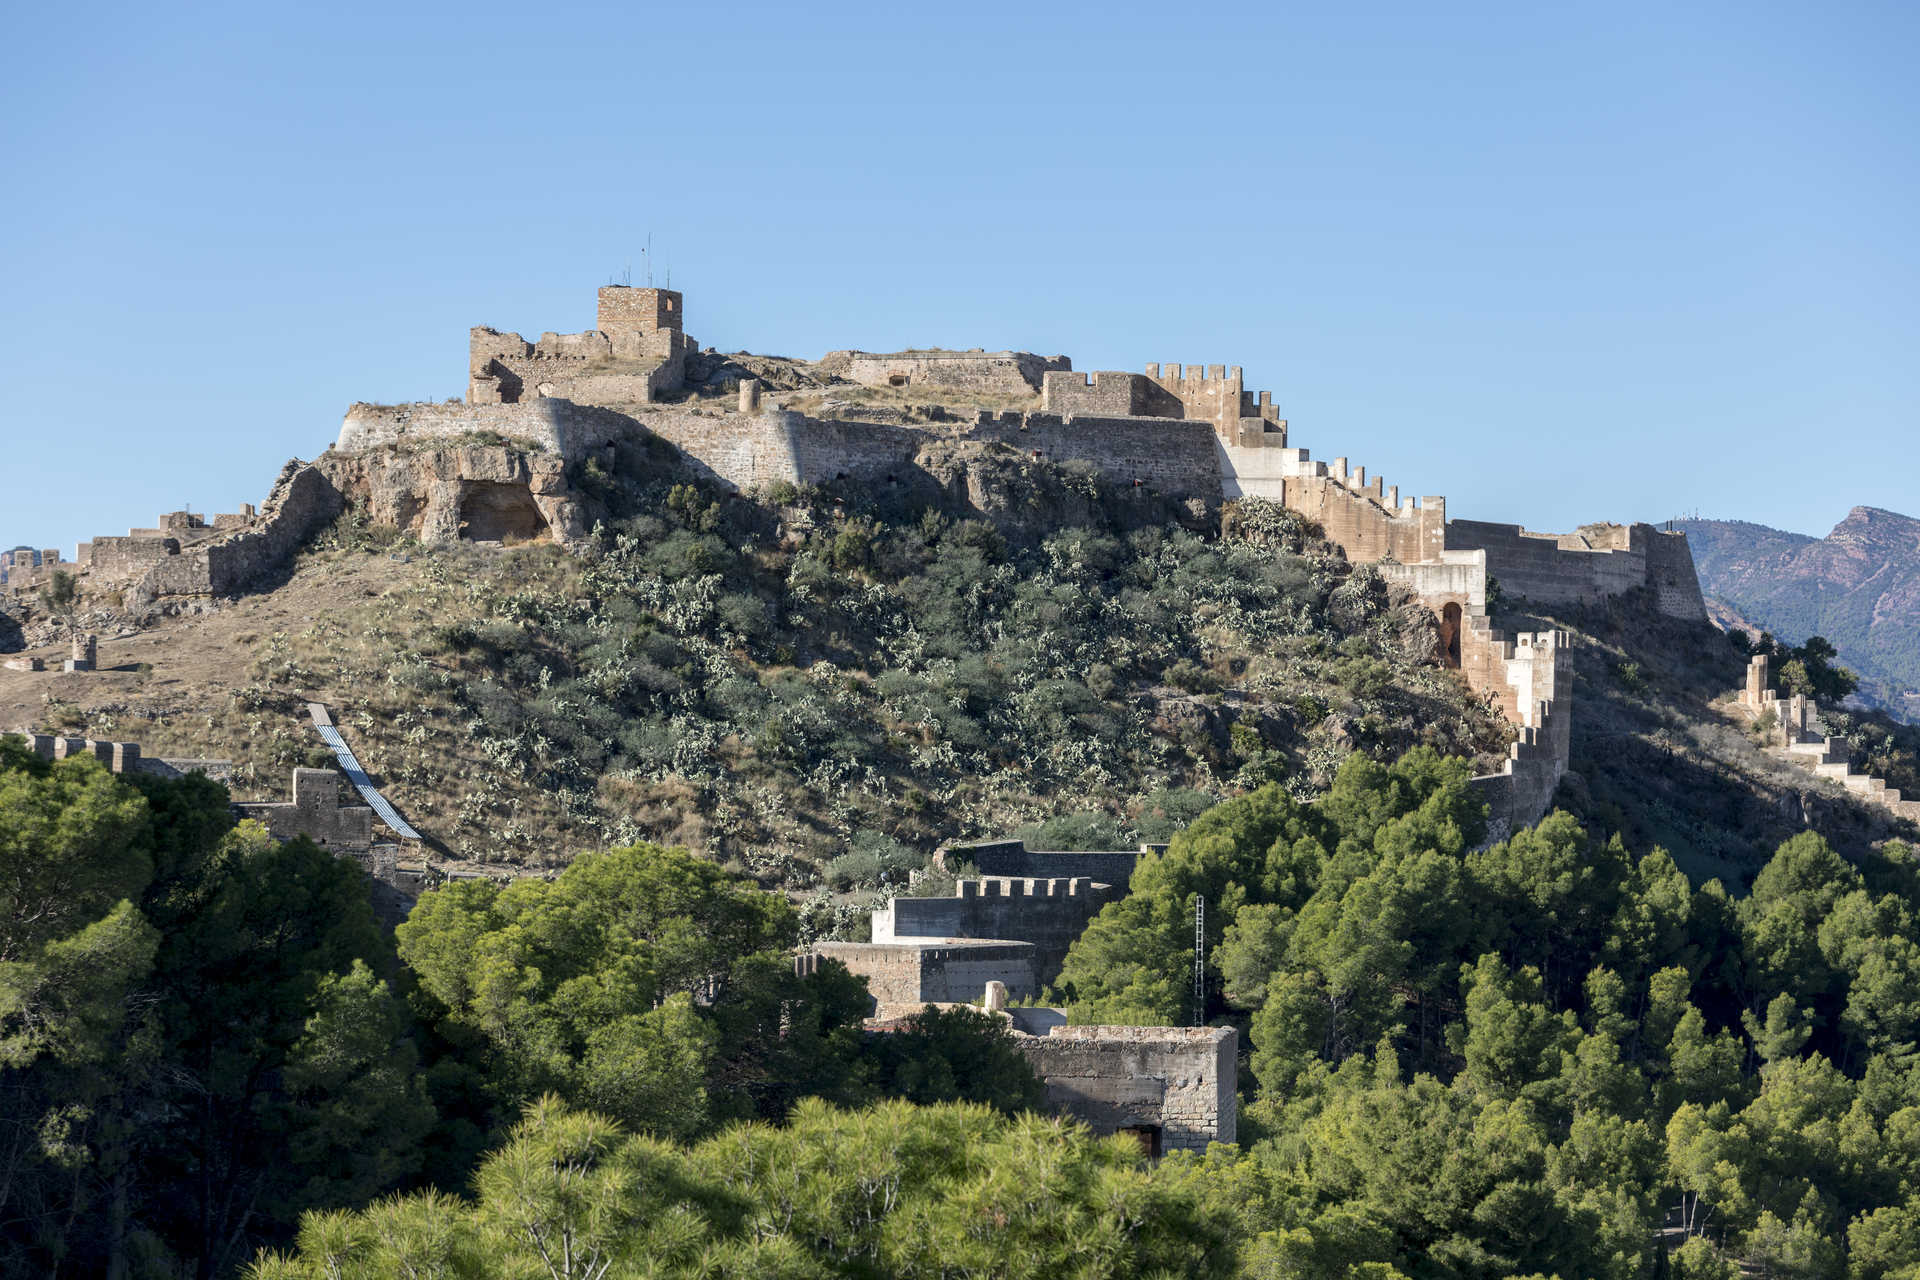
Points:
x=1177, y=1080
x=1013, y=858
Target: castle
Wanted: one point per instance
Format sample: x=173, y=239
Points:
x=1187, y=430
x=496, y=466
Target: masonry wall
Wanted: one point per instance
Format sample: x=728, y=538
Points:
x=1108, y=394
x=910, y=973
x=1364, y=524
x=1587, y=566
x=302, y=501
x=559, y=425
x=1168, y=455
x=1003, y=372
x=315, y=811
x=1180, y=1080
x=1050, y=914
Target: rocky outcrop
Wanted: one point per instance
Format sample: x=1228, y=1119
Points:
x=480, y=493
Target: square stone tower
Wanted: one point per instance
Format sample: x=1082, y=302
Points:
x=624, y=309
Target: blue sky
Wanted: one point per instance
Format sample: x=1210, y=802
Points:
x=1557, y=263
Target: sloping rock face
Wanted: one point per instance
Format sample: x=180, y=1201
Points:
x=481, y=493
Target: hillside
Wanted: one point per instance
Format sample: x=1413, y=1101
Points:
x=1859, y=587
x=771, y=681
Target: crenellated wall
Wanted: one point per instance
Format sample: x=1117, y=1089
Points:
x=1046, y=913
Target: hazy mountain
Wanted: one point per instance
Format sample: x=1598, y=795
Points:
x=1859, y=587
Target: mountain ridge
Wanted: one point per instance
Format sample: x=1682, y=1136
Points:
x=1859, y=586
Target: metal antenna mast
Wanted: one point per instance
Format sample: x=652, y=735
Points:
x=1199, y=960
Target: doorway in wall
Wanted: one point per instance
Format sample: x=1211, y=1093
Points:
x=1450, y=635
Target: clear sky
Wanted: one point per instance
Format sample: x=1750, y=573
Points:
x=1559, y=263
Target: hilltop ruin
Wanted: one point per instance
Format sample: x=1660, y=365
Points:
x=503, y=464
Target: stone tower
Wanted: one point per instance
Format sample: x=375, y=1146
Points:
x=626, y=310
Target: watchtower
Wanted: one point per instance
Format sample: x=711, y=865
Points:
x=624, y=309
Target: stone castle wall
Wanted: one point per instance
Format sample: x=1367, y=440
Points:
x=1179, y=1081
x=998, y=372
x=1587, y=566
x=556, y=425
x=302, y=501
x=1048, y=914
x=942, y=971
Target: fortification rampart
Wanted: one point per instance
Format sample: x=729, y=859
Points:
x=1049, y=914
x=302, y=501
x=556, y=425
x=1012, y=858
x=998, y=372
x=1596, y=562
x=1792, y=726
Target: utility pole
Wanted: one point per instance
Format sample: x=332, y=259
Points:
x=1200, y=960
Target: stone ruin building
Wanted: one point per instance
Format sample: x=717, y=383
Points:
x=314, y=808
x=1791, y=726
x=1006, y=933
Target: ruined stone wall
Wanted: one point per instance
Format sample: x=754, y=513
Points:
x=939, y=972
x=1002, y=372
x=302, y=501
x=559, y=425
x=315, y=811
x=125, y=559
x=121, y=757
x=1049, y=914
x=1181, y=1081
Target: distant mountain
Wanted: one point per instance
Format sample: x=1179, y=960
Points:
x=1859, y=587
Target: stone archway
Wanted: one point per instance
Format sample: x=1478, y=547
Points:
x=1449, y=646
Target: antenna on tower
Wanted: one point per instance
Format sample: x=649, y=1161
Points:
x=648, y=252
x=1200, y=960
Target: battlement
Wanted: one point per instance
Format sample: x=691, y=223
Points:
x=1026, y=887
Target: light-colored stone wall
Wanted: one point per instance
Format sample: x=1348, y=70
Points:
x=1182, y=1081
x=999, y=372
x=1596, y=562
